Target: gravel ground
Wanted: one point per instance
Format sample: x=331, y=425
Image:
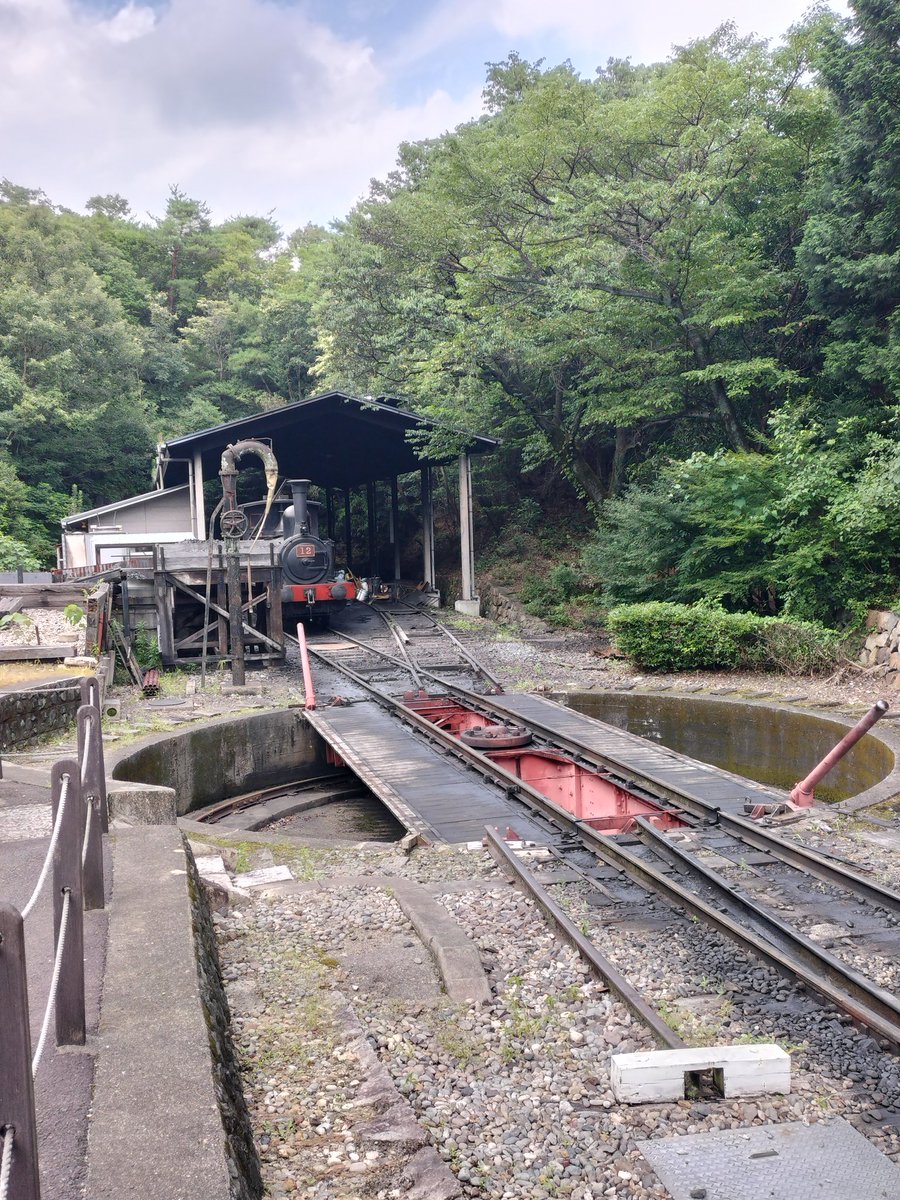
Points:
x=514, y=1095
x=42, y=626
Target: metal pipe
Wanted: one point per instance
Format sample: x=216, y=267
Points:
x=310, y=698
x=300, y=500
x=802, y=792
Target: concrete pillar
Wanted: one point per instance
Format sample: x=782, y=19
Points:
x=198, y=505
x=427, y=529
x=469, y=601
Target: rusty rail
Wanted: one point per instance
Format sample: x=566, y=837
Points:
x=601, y=966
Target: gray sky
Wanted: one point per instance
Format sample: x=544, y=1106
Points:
x=290, y=105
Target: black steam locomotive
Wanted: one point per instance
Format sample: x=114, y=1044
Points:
x=309, y=579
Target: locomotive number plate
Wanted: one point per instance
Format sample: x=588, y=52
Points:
x=305, y=550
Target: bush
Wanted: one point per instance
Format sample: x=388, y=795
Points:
x=675, y=637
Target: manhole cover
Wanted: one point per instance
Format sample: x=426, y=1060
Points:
x=173, y=703
x=827, y=1161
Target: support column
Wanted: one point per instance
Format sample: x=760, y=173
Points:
x=395, y=527
x=372, y=529
x=329, y=514
x=198, y=505
x=427, y=530
x=469, y=602
x=348, y=531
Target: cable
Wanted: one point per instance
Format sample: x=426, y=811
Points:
x=54, y=983
x=54, y=838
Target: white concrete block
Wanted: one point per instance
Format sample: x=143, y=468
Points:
x=210, y=864
x=263, y=875
x=659, y=1074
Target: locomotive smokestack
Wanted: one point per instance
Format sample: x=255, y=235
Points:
x=299, y=493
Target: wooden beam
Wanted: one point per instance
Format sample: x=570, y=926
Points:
x=183, y=587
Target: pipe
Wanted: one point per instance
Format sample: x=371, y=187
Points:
x=802, y=792
x=310, y=697
x=299, y=498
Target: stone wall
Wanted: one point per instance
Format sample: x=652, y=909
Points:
x=502, y=605
x=34, y=712
x=225, y=758
x=881, y=650
x=243, y=1162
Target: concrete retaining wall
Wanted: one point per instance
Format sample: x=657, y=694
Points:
x=34, y=712
x=225, y=758
x=502, y=605
x=881, y=650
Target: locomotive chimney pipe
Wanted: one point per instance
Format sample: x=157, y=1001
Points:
x=299, y=493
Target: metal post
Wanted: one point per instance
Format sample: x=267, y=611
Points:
x=395, y=527
x=235, y=613
x=329, y=513
x=348, y=531
x=802, y=793
x=17, y=1092
x=90, y=756
x=70, y=1020
x=370, y=511
x=427, y=529
x=90, y=691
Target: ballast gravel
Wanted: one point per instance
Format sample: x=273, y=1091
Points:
x=514, y=1095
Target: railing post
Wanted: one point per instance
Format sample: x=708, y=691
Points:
x=90, y=691
x=17, y=1090
x=89, y=748
x=70, y=1020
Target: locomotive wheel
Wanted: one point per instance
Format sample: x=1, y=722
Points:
x=496, y=737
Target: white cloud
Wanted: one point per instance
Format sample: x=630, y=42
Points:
x=252, y=105
x=246, y=104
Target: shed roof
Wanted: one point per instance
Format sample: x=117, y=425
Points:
x=334, y=439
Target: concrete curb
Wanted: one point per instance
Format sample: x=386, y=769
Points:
x=155, y=1125
x=456, y=958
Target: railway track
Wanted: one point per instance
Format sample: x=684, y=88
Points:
x=769, y=897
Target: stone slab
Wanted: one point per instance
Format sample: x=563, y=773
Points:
x=262, y=876
x=826, y=1161
x=155, y=1127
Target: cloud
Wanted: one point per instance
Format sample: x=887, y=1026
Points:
x=246, y=104
x=590, y=31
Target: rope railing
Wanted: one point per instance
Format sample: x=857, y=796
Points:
x=9, y=1134
x=75, y=853
x=51, y=851
x=54, y=985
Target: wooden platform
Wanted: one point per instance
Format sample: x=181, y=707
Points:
x=637, y=756
x=426, y=792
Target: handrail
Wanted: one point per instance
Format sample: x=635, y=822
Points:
x=75, y=851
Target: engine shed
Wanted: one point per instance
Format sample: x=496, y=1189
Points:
x=372, y=497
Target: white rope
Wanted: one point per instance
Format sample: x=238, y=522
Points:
x=87, y=748
x=54, y=837
x=6, y=1161
x=87, y=831
x=54, y=983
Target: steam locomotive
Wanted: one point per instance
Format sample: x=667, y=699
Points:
x=310, y=581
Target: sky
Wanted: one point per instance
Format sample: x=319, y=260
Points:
x=287, y=106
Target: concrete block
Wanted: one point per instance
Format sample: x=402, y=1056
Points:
x=655, y=1075
x=471, y=608
x=142, y=804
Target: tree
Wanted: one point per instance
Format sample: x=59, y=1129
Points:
x=593, y=255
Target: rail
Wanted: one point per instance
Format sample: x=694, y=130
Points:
x=75, y=857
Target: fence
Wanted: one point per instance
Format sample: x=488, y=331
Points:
x=75, y=860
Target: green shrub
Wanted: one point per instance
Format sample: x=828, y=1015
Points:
x=146, y=649
x=674, y=637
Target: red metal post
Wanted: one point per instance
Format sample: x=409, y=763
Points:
x=310, y=701
x=802, y=794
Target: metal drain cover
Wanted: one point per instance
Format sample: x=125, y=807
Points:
x=826, y=1161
